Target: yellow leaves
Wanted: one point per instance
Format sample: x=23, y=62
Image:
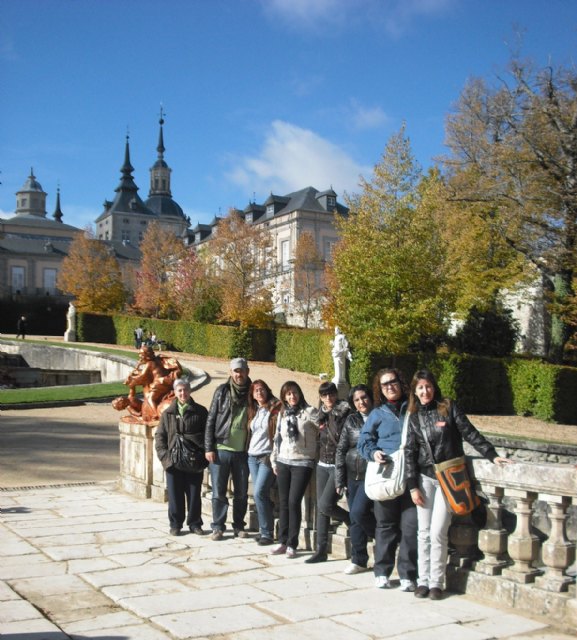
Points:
x=91, y=274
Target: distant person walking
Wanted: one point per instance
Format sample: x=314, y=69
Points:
x=138, y=336
x=21, y=327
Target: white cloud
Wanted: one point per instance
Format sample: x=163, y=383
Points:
x=363, y=118
x=6, y=214
x=293, y=158
x=79, y=215
x=394, y=16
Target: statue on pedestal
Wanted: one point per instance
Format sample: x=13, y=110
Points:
x=70, y=334
x=341, y=353
x=156, y=375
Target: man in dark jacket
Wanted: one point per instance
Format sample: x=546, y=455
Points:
x=226, y=449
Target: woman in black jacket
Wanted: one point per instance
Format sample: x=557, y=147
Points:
x=184, y=416
x=350, y=475
x=439, y=422
x=332, y=415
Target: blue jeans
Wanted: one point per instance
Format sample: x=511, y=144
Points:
x=362, y=521
x=262, y=481
x=229, y=463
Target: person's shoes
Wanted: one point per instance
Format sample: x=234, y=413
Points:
x=217, y=534
x=265, y=542
x=422, y=591
x=319, y=556
x=436, y=594
x=291, y=553
x=174, y=531
x=353, y=568
x=278, y=550
x=407, y=585
x=197, y=531
x=240, y=533
x=382, y=582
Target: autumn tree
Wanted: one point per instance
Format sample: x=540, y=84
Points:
x=479, y=263
x=91, y=274
x=387, y=282
x=192, y=290
x=308, y=274
x=240, y=257
x=162, y=253
x=514, y=154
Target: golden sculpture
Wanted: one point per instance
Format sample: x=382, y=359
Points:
x=156, y=375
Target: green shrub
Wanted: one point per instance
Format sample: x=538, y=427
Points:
x=490, y=332
x=306, y=350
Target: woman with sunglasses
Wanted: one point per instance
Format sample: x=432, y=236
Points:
x=396, y=519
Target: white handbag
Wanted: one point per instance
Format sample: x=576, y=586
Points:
x=387, y=480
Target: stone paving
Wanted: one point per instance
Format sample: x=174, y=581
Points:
x=86, y=561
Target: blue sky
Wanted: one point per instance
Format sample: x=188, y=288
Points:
x=260, y=96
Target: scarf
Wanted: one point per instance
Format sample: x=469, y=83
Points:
x=238, y=394
x=292, y=428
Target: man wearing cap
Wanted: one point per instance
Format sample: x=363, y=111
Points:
x=225, y=446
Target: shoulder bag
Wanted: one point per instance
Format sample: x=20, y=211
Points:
x=387, y=480
x=185, y=456
x=455, y=481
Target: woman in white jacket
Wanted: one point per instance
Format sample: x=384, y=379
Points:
x=293, y=461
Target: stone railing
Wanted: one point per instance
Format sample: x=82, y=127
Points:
x=523, y=558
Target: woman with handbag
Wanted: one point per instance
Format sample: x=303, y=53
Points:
x=186, y=420
x=293, y=460
x=350, y=469
x=332, y=415
x=263, y=409
x=437, y=428
x=396, y=519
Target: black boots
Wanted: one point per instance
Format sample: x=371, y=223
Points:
x=319, y=556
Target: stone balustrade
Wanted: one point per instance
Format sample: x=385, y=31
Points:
x=524, y=556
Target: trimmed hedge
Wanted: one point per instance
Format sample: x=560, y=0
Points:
x=192, y=337
x=480, y=385
x=306, y=350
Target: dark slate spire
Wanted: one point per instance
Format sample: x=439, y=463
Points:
x=127, y=181
x=160, y=171
x=57, y=215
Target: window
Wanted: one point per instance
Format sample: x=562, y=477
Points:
x=125, y=235
x=125, y=220
x=49, y=281
x=331, y=202
x=18, y=278
x=270, y=210
x=328, y=250
x=286, y=298
x=285, y=255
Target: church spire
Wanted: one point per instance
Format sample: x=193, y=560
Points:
x=57, y=215
x=160, y=171
x=127, y=181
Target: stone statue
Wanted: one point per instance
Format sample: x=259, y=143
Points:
x=70, y=334
x=341, y=353
x=155, y=374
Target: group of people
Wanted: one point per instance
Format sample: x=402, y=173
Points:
x=247, y=430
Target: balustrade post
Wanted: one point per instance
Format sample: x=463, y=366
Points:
x=493, y=539
x=523, y=546
x=557, y=552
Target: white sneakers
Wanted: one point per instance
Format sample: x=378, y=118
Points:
x=408, y=585
x=282, y=549
x=353, y=568
x=382, y=582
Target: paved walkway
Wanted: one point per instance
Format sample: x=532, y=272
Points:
x=89, y=562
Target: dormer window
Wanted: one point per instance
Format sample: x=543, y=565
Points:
x=270, y=210
x=331, y=202
x=248, y=218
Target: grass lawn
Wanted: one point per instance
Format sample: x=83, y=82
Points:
x=71, y=393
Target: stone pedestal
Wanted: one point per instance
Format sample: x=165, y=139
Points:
x=137, y=458
x=70, y=336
